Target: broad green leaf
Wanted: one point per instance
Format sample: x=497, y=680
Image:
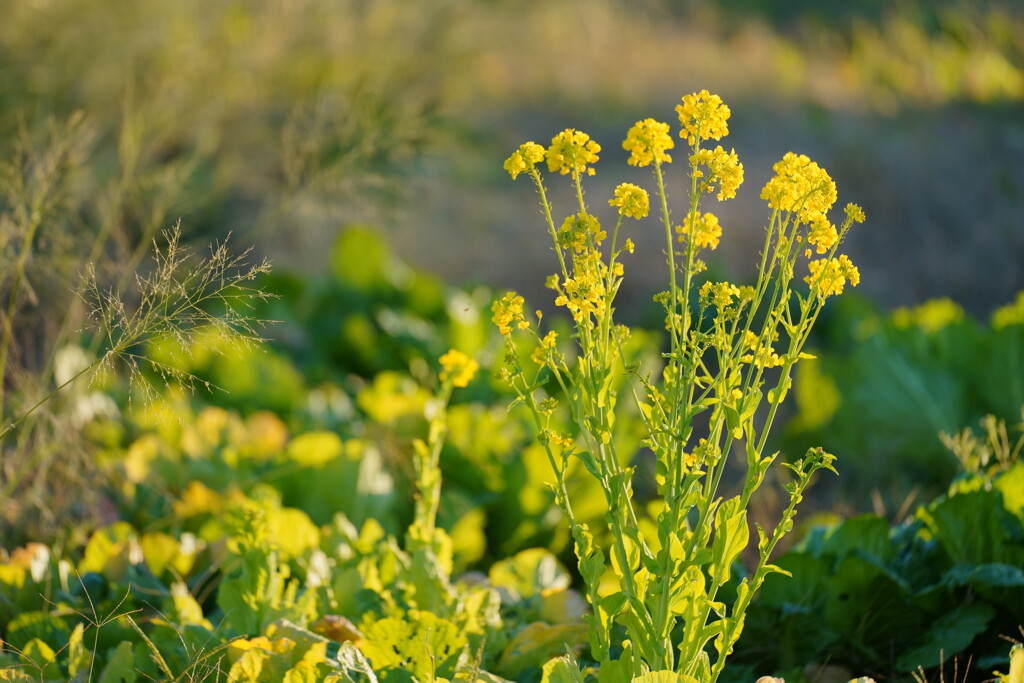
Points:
x=425, y=647
x=248, y=667
x=303, y=672
x=664, y=677
x=1011, y=484
x=731, y=536
x=947, y=636
x=561, y=670
x=43, y=626
x=108, y=551
x=536, y=644
x=44, y=659
x=617, y=671
x=120, y=666
x=529, y=572
x=79, y=658
x=353, y=662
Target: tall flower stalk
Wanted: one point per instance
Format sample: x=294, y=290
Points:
x=728, y=367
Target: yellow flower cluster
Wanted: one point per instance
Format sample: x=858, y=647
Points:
x=829, y=276
x=800, y=186
x=545, y=349
x=571, y=151
x=584, y=294
x=648, y=141
x=724, y=169
x=854, y=213
x=762, y=355
x=524, y=159
x=459, y=367
x=822, y=235
x=578, y=231
x=508, y=311
x=719, y=293
x=703, y=116
x=632, y=200
x=704, y=230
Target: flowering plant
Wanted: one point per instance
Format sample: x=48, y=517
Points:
x=731, y=352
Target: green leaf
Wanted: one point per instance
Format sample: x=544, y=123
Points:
x=731, y=537
x=429, y=646
x=529, y=572
x=664, y=677
x=79, y=658
x=947, y=636
x=120, y=666
x=561, y=670
x=43, y=626
x=44, y=659
x=537, y=643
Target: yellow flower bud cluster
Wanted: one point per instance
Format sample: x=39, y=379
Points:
x=524, y=159
x=580, y=231
x=572, y=151
x=704, y=231
x=648, y=141
x=761, y=355
x=508, y=311
x=703, y=116
x=632, y=200
x=829, y=275
x=800, y=186
x=724, y=170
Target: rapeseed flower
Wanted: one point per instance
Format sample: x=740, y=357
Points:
x=578, y=230
x=724, y=168
x=524, y=159
x=829, y=276
x=648, y=141
x=800, y=186
x=703, y=116
x=761, y=355
x=572, y=151
x=632, y=200
x=545, y=349
x=854, y=213
x=719, y=293
x=459, y=367
x=704, y=230
x=822, y=235
x=584, y=294
x=508, y=311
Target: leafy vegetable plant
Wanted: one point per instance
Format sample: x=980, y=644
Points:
x=731, y=351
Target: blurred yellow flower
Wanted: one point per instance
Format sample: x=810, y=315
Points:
x=571, y=151
x=459, y=367
x=632, y=200
x=703, y=116
x=648, y=141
